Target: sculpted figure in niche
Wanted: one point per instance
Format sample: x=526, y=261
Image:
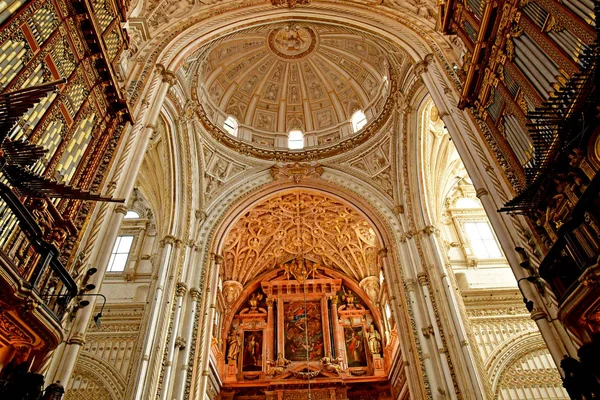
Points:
x=374, y=340
x=233, y=340
x=279, y=365
x=331, y=364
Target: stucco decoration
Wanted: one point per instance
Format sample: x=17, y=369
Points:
x=231, y=292
x=294, y=75
x=370, y=285
x=300, y=223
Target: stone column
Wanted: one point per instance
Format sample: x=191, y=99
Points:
x=269, y=332
x=326, y=326
x=280, y=328
x=166, y=381
x=187, y=334
x=338, y=336
x=208, y=321
x=433, y=330
x=108, y=228
x=437, y=382
x=155, y=310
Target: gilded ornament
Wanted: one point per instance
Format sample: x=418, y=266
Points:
x=296, y=171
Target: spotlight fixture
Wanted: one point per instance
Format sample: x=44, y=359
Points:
x=89, y=286
x=91, y=271
x=99, y=315
x=97, y=319
x=535, y=279
x=83, y=303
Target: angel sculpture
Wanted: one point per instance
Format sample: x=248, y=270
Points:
x=279, y=365
x=331, y=364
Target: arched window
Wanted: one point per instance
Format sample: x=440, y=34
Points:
x=482, y=240
x=120, y=253
x=295, y=140
x=231, y=126
x=131, y=215
x=359, y=120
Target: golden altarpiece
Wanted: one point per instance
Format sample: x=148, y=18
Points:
x=303, y=326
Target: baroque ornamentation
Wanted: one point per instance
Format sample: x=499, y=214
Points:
x=296, y=171
x=370, y=285
x=231, y=291
x=300, y=224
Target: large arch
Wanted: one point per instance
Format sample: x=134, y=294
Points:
x=382, y=222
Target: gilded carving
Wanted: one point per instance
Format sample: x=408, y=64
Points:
x=370, y=285
x=300, y=225
x=296, y=171
x=231, y=291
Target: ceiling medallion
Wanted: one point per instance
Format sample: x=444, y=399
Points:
x=292, y=41
x=290, y=3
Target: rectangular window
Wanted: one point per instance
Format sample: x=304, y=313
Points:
x=482, y=240
x=120, y=253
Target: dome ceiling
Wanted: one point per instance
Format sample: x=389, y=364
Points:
x=300, y=224
x=294, y=75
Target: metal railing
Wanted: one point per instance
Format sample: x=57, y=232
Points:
x=33, y=259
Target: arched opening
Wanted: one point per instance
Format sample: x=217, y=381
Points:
x=231, y=126
x=303, y=295
x=131, y=215
x=295, y=140
x=359, y=120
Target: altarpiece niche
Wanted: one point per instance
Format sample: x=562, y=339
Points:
x=302, y=322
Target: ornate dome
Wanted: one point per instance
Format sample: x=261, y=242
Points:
x=293, y=75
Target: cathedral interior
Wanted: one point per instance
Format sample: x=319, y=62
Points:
x=299, y=200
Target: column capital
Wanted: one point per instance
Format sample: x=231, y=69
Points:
x=538, y=314
x=195, y=293
x=181, y=289
x=169, y=77
x=218, y=259
x=121, y=209
x=78, y=338
x=170, y=239
x=410, y=284
x=422, y=278
x=481, y=192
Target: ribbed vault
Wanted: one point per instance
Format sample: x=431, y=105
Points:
x=298, y=224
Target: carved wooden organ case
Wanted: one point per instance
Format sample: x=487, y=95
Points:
x=302, y=322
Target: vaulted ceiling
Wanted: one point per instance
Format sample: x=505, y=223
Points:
x=298, y=224
x=295, y=75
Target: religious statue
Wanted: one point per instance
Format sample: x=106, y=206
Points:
x=254, y=300
x=233, y=340
x=279, y=365
x=374, y=340
x=349, y=298
x=331, y=364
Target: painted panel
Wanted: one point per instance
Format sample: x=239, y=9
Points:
x=303, y=331
x=253, y=360
x=355, y=346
